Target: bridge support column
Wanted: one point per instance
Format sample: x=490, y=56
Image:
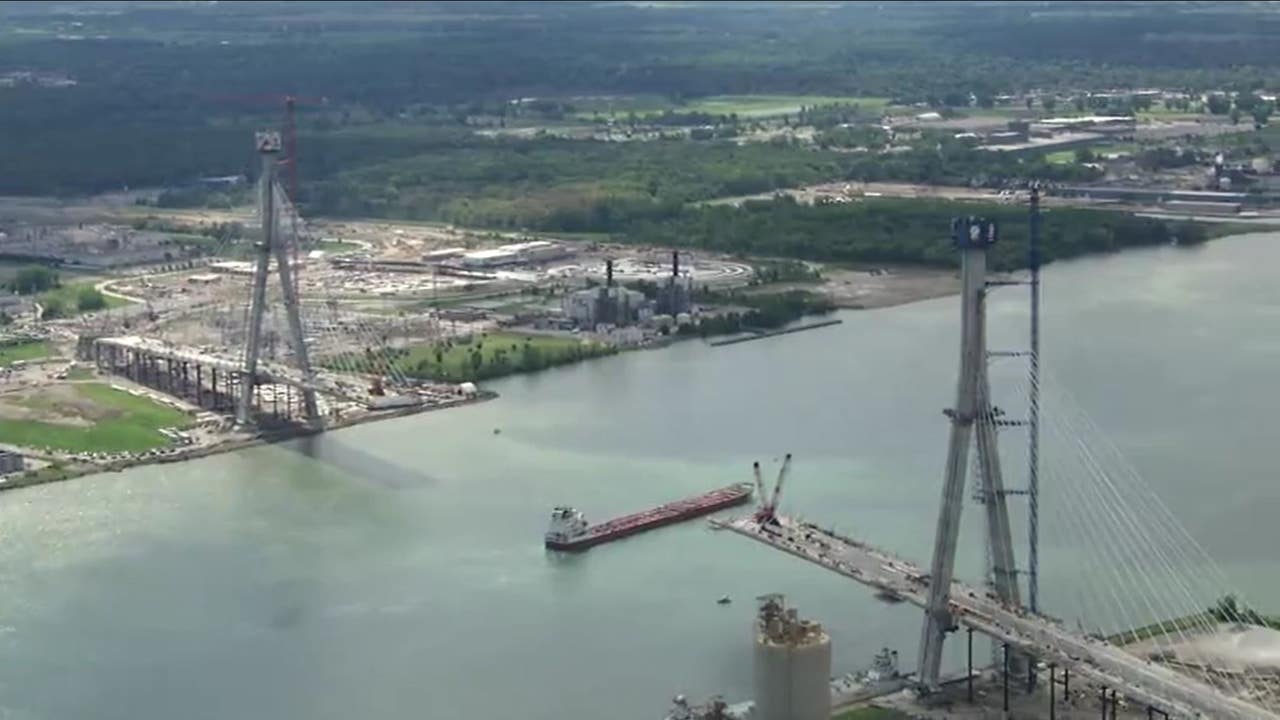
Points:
x=1053, y=687
x=268, y=147
x=1006, y=680
x=969, y=675
x=972, y=236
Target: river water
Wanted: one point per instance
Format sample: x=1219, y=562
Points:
x=396, y=570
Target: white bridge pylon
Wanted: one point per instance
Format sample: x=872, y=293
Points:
x=268, y=144
x=973, y=236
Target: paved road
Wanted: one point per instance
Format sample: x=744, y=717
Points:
x=1093, y=660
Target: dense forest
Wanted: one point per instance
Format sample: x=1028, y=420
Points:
x=587, y=186
x=899, y=231
x=103, y=96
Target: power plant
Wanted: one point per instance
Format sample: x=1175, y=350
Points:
x=675, y=296
x=617, y=306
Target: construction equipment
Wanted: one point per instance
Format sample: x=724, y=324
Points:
x=766, y=513
x=289, y=131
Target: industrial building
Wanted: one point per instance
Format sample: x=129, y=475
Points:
x=607, y=305
x=93, y=246
x=1159, y=195
x=442, y=254
x=792, y=664
x=533, y=251
x=675, y=296
x=11, y=462
x=1093, y=123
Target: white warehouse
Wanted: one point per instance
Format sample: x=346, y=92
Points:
x=533, y=251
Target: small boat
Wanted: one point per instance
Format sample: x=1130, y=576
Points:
x=724, y=600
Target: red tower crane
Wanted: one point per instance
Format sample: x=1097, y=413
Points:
x=289, y=128
x=290, y=160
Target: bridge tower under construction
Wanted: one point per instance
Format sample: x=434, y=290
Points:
x=270, y=246
x=974, y=420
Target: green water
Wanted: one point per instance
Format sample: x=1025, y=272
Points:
x=395, y=570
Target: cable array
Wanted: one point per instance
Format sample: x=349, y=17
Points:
x=1139, y=578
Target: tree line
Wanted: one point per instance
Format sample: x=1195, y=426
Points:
x=161, y=99
x=886, y=230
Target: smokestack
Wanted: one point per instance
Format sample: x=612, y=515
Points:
x=608, y=273
x=675, y=263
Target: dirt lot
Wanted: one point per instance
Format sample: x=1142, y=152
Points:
x=53, y=403
x=885, y=287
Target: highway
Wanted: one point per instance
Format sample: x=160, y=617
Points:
x=1092, y=660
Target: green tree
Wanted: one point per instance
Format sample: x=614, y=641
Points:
x=1247, y=102
x=53, y=308
x=34, y=279
x=89, y=299
x=530, y=357
x=1048, y=102
x=1219, y=104
x=1262, y=113
x=1085, y=155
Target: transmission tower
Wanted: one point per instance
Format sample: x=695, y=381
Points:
x=269, y=246
x=973, y=420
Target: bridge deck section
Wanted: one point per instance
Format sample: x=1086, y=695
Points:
x=1091, y=659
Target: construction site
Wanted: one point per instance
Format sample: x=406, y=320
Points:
x=283, y=328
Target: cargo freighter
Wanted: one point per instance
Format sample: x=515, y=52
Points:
x=570, y=531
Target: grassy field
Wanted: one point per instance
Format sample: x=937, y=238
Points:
x=771, y=105
x=338, y=246
x=9, y=268
x=79, y=373
x=1117, y=148
x=1162, y=628
x=499, y=353
x=745, y=106
x=24, y=351
x=68, y=293
x=113, y=421
x=873, y=713
x=489, y=356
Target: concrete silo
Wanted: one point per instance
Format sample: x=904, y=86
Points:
x=792, y=665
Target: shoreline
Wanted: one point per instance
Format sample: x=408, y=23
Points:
x=774, y=333
x=847, y=288
x=78, y=471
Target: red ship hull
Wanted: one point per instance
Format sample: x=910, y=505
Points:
x=668, y=514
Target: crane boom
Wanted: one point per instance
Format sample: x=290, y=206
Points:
x=760, y=498
x=777, y=486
